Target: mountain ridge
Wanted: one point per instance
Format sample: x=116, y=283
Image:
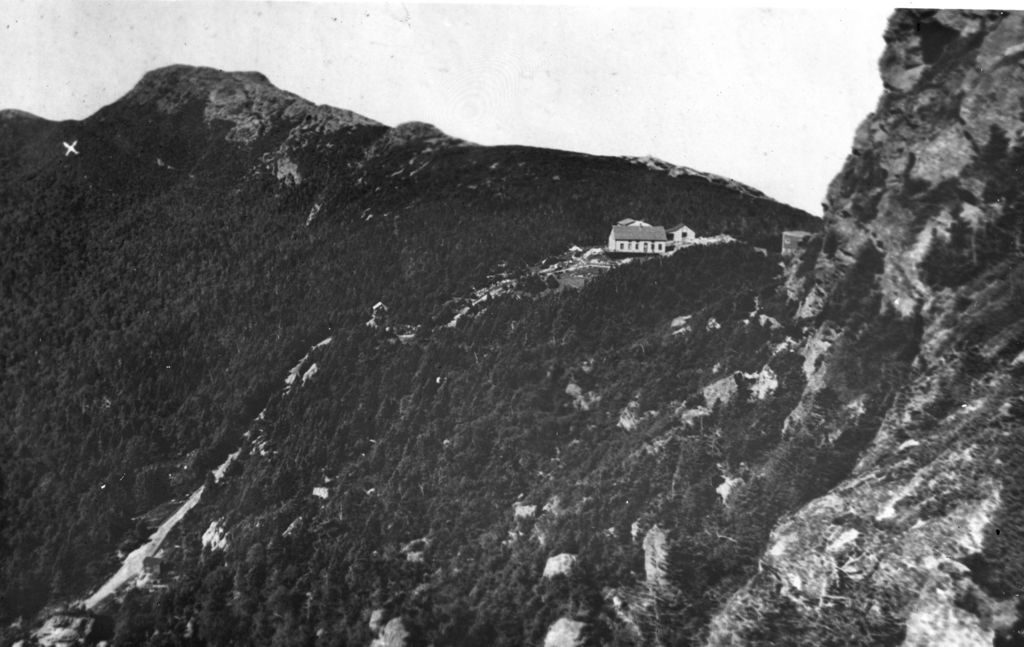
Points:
x=252, y=103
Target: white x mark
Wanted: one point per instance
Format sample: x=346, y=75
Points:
x=70, y=148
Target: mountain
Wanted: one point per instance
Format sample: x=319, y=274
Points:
x=158, y=286
x=278, y=374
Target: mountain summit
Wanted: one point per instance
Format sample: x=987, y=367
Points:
x=248, y=100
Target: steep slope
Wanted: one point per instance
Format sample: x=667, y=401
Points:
x=156, y=286
x=921, y=544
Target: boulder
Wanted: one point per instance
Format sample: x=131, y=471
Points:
x=393, y=634
x=522, y=511
x=561, y=564
x=655, y=553
x=564, y=632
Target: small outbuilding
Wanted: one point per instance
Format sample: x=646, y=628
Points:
x=791, y=241
x=153, y=565
x=681, y=235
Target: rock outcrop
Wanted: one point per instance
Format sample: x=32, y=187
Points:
x=65, y=629
x=920, y=544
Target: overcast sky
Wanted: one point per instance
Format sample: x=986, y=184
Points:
x=770, y=97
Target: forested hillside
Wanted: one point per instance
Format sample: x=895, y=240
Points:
x=158, y=287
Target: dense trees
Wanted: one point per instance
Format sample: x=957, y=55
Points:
x=447, y=462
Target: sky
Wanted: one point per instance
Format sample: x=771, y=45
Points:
x=767, y=96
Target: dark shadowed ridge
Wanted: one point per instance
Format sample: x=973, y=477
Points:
x=18, y=115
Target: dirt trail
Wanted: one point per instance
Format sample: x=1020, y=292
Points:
x=132, y=566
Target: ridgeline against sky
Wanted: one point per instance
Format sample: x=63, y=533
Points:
x=767, y=97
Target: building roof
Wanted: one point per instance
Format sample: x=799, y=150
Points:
x=625, y=232
x=630, y=222
x=796, y=233
x=678, y=227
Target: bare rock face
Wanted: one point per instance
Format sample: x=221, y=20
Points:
x=65, y=629
x=918, y=546
x=914, y=171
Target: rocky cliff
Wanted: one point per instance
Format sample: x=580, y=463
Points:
x=921, y=543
